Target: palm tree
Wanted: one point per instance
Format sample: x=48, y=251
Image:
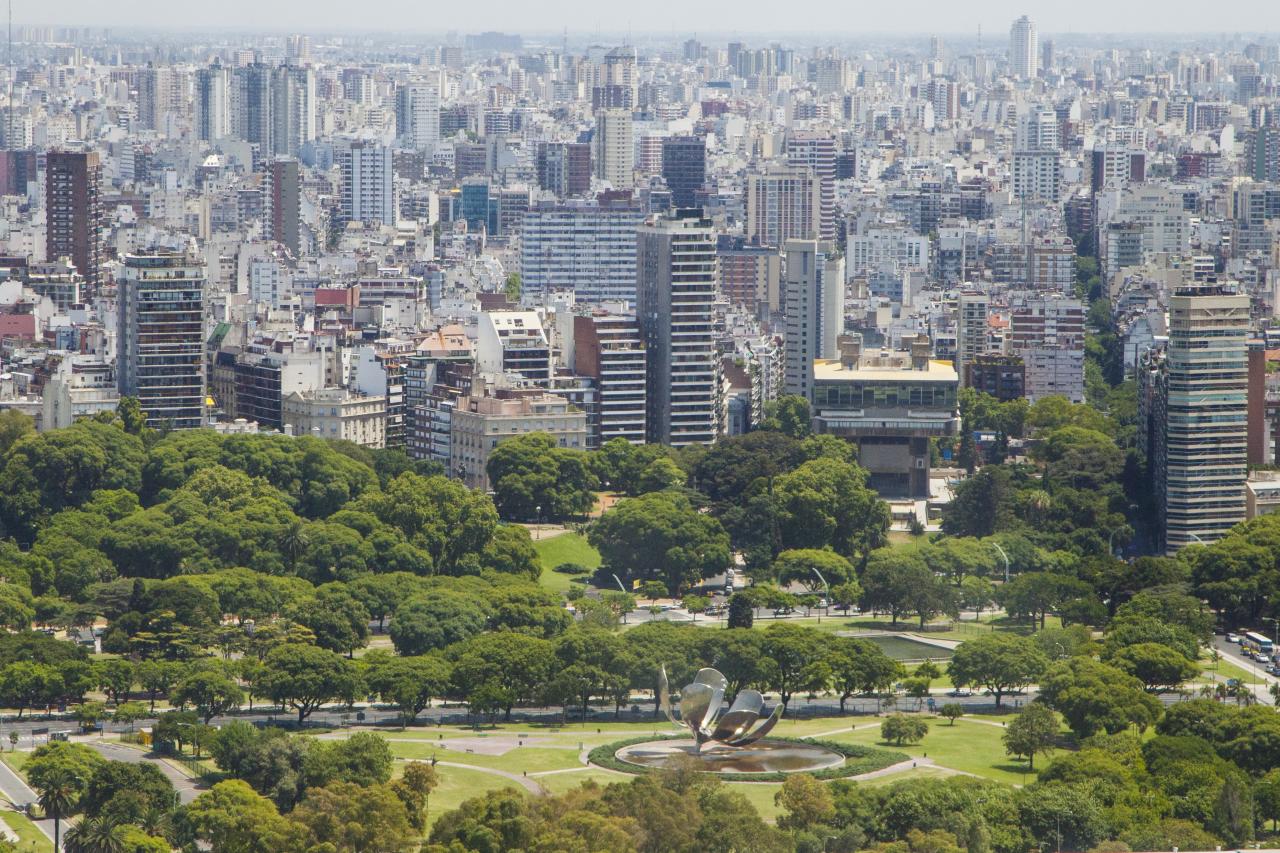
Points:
x=294, y=543
x=157, y=821
x=57, y=799
x=96, y=835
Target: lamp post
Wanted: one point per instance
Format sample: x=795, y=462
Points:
x=826, y=591
x=618, y=581
x=1003, y=556
x=537, y=530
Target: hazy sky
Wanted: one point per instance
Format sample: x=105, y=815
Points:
x=665, y=16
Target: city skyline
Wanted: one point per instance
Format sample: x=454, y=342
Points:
x=667, y=17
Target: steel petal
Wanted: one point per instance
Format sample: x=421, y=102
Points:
x=695, y=704
x=664, y=696
x=762, y=730
x=712, y=678
x=734, y=723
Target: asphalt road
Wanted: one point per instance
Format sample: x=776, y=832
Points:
x=20, y=794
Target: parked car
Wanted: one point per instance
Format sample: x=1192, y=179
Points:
x=1233, y=638
x=961, y=692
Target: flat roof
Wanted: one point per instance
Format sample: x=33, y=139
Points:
x=834, y=370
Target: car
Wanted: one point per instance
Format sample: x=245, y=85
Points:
x=841, y=607
x=1233, y=638
x=961, y=692
x=1261, y=658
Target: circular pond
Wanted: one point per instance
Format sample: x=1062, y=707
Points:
x=766, y=756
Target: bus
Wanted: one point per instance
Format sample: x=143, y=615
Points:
x=1255, y=642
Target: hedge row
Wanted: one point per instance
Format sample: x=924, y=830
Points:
x=858, y=759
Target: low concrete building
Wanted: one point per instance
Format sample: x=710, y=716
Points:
x=479, y=424
x=891, y=404
x=336, y=413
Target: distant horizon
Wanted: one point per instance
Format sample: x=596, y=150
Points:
x=667, y=18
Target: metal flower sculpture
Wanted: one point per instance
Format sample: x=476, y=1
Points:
x=700, y=706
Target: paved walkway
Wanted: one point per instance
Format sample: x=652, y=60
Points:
x=7, y=833
x=523, y=781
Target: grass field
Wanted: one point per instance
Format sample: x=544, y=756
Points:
x=458, y=784
x=29, y=837
x=564, y=548
x=970, y=746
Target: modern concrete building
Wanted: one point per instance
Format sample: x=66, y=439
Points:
x=513, y=342
x=973, y=308
x=605, y=348
x=479, y=424
x=675, y=296
x=615, y=153
x=588, y=250
x=684, y=168
x=73, y=211
x=161, y=354
x=564, y=168
x=891, y=404
x=367, y=191
x=212, y=103
x=783, y=203
x=418, y=116
x=817, y=152
x=813, y=288
x=283, y=202
x=1024, y=49
x=1047, y=333
x=336, y=413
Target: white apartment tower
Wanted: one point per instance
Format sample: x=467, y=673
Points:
x=1024, y=50
x=367, y=189
x=675, y=299
x=589, y=250
x=615, y=154
x=418, y=116
x=212, y=103
x=813, y=291
x=972, y=310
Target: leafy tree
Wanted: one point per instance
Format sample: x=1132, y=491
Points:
x=805, y=802
x=126, y=791
x=306, y=677
x=1157, y=666
x=533, y=479
x=1093, y=696
x=1034, y=730
x=232, y=818
x=798, y=565
x=96, y=835
x=115, y=677
x=1000, y=663
x=899, y=729
x=742, y=612
x=414, y=788
x=899, y=581
x=381, y=594
x=58, y=792
x=336, y=616
x=409, y=683
x=826, y=503
x=350, y=817
x=793, y=660
x=790, y=415
x=517, y=666
x=210, y=692
x=25, y=684
x=952, y=711
x=510, y=551
x=661, y=536
x=436, y=619
x=859, y=667
x=1033, y=595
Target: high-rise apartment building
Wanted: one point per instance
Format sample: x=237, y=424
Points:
x=684, y=168
x=615, y=152
x=1024, y=49
x=783, y=203
x=1199, y=455
x=564, y=168
x=1262, y=154
x=817, y=152
x=283, y=203
x=607, y=349
x=418, y=116
x=813, y=302
x=161, y=353
x=367, y=189
x=589, y=250
x=212, y=103
x=73, y=211
x=1037, y=162
x=973, y=308
x=675, y=297
x=1047, y=332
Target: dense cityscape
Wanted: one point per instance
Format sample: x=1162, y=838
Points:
x=587, y=443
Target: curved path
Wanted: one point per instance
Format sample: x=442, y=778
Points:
x=523, y=781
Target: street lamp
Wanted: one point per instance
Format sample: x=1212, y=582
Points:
x=826, y=590
x=1005, y=557
x=538, y=527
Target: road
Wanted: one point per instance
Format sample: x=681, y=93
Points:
x=1231, y=652
x=184, y=785
x=20, y=794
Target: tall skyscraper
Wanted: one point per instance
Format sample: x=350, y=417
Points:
x=817, y=152
x=161, y=358
x=1037, y=163
x=813, y=294
x=73, y=211
x=1199, y=456
x=154, y=85
x=1024, y=51
x=212, y=103
x=283, y=203
x=684, y=167
x=615, y=152
x=367, y=189
x=783, y=203
x=1262, y=154
x=418, y=116
x=675, y=297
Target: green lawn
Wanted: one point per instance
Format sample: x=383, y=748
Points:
x=458, y=784
x=29, y=837
x=518, y=760
x=761, y=796
x=969, y=746
x=16, y=760
x=558, y=783
x=564, y=548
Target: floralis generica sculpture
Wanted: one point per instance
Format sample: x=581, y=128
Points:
x=700, y=711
